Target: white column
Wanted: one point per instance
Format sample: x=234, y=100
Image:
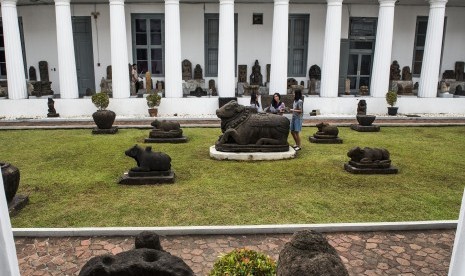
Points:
x=331, y=50
x=457, y=265
x=8, y=259
x=432, y=54
x=173, y=71
x=279, y=51
x=226, y=76
x=383, y=49
x=13, y=51
x=119, y=50
x=66, y=59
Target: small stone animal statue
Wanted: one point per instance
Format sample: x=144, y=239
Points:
x=166, y=125
x=327, y=130
x=147, y=160
x=369, y=155
x=240, y=126
x=362, y=107
x=51, y=106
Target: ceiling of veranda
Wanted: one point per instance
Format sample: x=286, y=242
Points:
x=450, y=3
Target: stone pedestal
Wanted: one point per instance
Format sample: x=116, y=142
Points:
x=325, y=139
x=112, y=130
x=365, y=124
x=252, y=156
x=361, y=168
x=147, y=178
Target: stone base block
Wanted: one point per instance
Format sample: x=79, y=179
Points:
x=252, y=156
x=325, y=141
x=16, y=204
x=126, y=179
x=54, y=115
x=112, y=130
x=445, y=95
x=251, y=148
x=360, y=128
x=182, y=139
x=354, y=170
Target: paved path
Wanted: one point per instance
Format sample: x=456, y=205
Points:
x=369, y=253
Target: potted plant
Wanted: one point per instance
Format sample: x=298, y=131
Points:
x=153, y=101
x=244, y=262
x=103, y=118
x=391, y=99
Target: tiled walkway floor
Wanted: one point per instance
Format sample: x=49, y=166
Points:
x=364, y=253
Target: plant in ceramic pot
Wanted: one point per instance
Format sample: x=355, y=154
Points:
x=391, y=99
x=103, y=118
x=153, y=101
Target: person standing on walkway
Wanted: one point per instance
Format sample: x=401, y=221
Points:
x=296, y=121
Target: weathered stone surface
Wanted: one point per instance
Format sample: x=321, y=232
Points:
x=309, y=253
x=165, y=132
x=369, y=161
x=148, y=161
x=326, y=134
x=362, y=107
x=149, y=240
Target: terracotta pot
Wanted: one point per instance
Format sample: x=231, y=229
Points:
x=153, y=112
x=10, y=175
x=104, y=118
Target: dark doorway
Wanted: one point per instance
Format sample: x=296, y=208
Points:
x=82, y=34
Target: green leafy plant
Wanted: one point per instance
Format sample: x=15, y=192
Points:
x=153, y=100
x=244, y=262
x=391, y=98
x=101, y=100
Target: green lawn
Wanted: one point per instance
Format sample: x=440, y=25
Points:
x=71, y=179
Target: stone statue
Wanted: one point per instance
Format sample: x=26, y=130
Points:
x=362, y=107
x=45, y=84
x=326, y=134
x=186, y=70
x=242, y=76
x=395, y=71
x=369, y=157
x=246, y=131
x=109, y=72
x=314, y=72
x=198, y=75
x=147, y=160
x=165, y=132
x=309, y=253
x=148, y=83
x=43, y=70
x=212, y=87
x=32, y=74
x=290, y=82
x=256, y=76
x=268, y=70
x=459, y=68
x=406, y=74
x=459, y=91
x=363, y=90
x=448, y=75
x=51, y=108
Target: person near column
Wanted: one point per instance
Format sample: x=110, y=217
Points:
x=296, y=121
x=277, y=106
x=135, y=77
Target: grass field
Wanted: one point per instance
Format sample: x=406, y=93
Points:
x=71, y=179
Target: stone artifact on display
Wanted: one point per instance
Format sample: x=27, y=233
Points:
x=459, y=91
x=44, y=86
x=268, y=70
x=152, y=167
x=165, y=132
x=109, y=72
x=11, y=178
x=448, y=75
x=148, y=82
x=198, y=75
x=362, y=107
x=395, y=71
x=363, y=90
x=246, y=131
x=212, y=87
x=459, y=68
x=256, y=77
x=369, y=161
x=406, y=74
x=32, y=74
x=51, y=108
x=365, y=122
x=314, y=72
x=326, y=134
x=186, y=70
x=147, y=259
x=242, y=76
x=309, y=253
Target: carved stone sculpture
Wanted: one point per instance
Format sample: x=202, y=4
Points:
x=459, y=68
x=198, y=75
x=186, y=70
x=369, y=160
x=166, y=132
x=362, y=107
x=256, y=77
x=51, y=108
x=246, y=131
x=326, y=134
x=148, y=258
x=109, y=72
x=242, y=76
x=395, y=71
x=268, y=70
x=459, y=91
x=406, y=74
x=309, y=253
x=405, y=88
x=291, y=82
x=148, y=82
x=448, y=75
x=32, y=74
x=314, y=72
x=45, y=87
x=212, y=87
x=43, y=70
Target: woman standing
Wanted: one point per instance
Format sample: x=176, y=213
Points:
x=296, y=121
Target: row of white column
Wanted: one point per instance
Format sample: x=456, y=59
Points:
x=226, y=68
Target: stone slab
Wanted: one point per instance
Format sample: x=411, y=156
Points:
x=325, y=141
x=445, y=95
x=252, y=156
x=148, y=180
x=354, y=170
x=112, y=130
x=360, y=128
x=182, y=139
x=16, y=204
x=53, y=115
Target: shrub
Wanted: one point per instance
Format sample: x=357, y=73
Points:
x=101, y=100
x=391, y=98
x=153, y=100
x=244, y=262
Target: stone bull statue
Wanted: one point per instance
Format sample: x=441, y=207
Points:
x=369, y=155
x=147, y=160
x=241, y=126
